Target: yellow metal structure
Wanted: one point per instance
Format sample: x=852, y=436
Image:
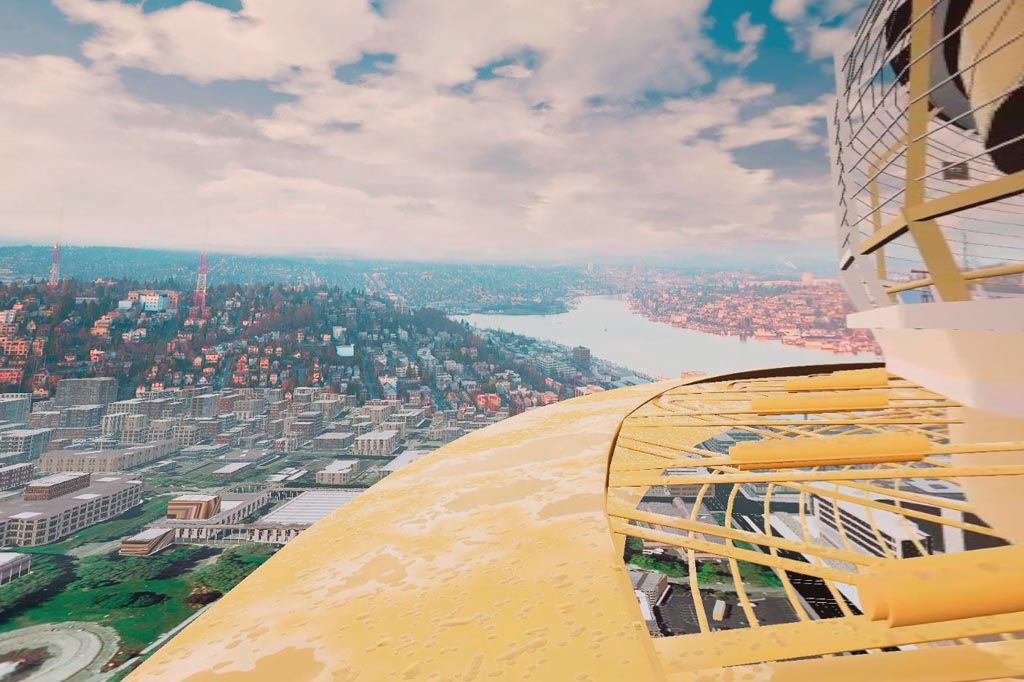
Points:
x=501, y=555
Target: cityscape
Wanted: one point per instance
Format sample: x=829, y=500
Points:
x=576, y=341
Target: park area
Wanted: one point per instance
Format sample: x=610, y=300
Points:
x=139, y=598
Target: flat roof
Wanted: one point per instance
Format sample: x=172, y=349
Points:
x=309, y=507
x=13, y=557
x=194, y=497
x=147, y=535
x=14, y=507
x=373, y=435
x=340, y=465
x=407, y=457
x=56, y=479
x=233, y=467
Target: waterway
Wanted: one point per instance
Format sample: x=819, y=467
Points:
x=613, y=332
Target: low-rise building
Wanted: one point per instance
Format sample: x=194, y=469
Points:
x=193, y=506
x=13, y=565
x=27, y=523
x=146, y=542
x=57, y=485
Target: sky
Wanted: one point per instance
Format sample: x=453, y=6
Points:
x=479, y=130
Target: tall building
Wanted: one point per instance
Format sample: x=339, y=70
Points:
x=93, y=391
x=519, y=530
x=581, y=356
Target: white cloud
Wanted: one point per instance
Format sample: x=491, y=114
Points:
x=819, y=27
x=399, y=165
x=749, y=36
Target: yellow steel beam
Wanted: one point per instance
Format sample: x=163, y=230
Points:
x=628, y=481
x=754, y=557
x=814, y=638
x=623, y=512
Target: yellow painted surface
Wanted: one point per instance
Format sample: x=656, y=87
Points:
x=819, y=402
x=491, y=559
x=855, y=378
x=916, y=591
x=879, y=447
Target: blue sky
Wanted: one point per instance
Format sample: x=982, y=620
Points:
x=550, y=130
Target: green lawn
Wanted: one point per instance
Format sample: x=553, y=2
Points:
x=140, y=597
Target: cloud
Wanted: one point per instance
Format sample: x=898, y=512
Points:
x=749, y=36
x=819, y=27
x=399, y=161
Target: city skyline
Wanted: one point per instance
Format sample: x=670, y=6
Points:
x=552, y=132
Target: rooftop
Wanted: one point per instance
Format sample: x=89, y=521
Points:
x=309, y=507
x=18, y=507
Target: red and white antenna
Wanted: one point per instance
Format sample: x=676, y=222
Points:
x=199, y=300
x=55, y=267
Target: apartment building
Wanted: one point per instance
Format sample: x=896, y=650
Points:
x=106, y=461
x=29, y=442
x=376, y=444
x=15, y=475
x=57, y=485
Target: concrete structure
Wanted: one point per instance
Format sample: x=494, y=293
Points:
x=288, y=520
x=94, y=391
x=15, y=475
x=146, y=542
x=57, y=485
x=13, y=565
x=27, y=523
x=376, y=444
x=340, y=472
x=224, y=526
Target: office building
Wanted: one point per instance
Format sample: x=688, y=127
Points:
x=28, y=523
